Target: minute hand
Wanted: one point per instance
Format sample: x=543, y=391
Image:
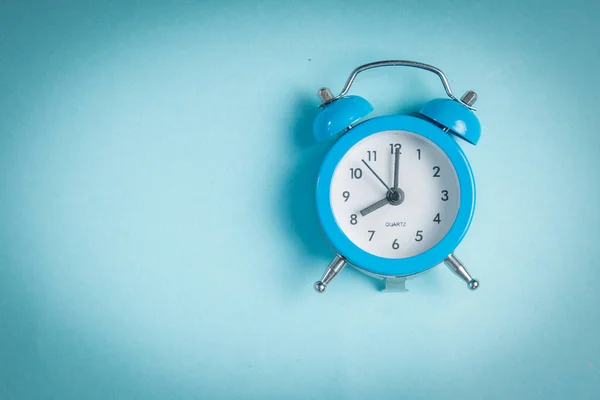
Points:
x=396, y=167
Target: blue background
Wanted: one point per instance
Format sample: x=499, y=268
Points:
x=158, y=236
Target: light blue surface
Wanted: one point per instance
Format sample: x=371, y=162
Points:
x=451, y=114
x=389, y=266
x=337, y=116
x=158, y=237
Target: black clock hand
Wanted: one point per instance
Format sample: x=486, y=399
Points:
x=396, y=167
x=374, y=206
x=394, y=196
x=377, y=176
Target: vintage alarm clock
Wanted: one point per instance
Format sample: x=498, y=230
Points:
x=395, y=194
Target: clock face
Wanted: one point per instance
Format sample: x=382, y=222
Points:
x=389, y=221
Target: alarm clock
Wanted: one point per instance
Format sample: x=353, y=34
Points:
x=395, y=194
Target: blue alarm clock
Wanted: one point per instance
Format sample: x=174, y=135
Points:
x=395, y=194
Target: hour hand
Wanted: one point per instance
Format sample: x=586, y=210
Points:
x=374, y=206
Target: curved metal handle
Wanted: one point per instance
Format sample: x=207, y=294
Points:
x=399, y=63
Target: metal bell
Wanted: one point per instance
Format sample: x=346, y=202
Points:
x=455, y=116
x=337, y=115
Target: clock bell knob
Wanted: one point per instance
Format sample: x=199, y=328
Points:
x=469, y=98
x=455, y=117
x=337, y=115
x=325, y=95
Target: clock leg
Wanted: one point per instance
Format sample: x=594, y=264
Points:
x=459, y=269
x=332, y=270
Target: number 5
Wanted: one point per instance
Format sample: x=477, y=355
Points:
x=419, y=236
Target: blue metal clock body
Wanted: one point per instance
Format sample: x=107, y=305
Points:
x=442, y=122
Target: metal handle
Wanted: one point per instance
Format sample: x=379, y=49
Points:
x=399, y=63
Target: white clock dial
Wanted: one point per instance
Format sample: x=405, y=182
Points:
x=428, y=194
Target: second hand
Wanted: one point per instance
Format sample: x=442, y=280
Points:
x=377, y=176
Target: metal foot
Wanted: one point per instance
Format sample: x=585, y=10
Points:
x=395, y=285
x=332, y=270
x=459, y=269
